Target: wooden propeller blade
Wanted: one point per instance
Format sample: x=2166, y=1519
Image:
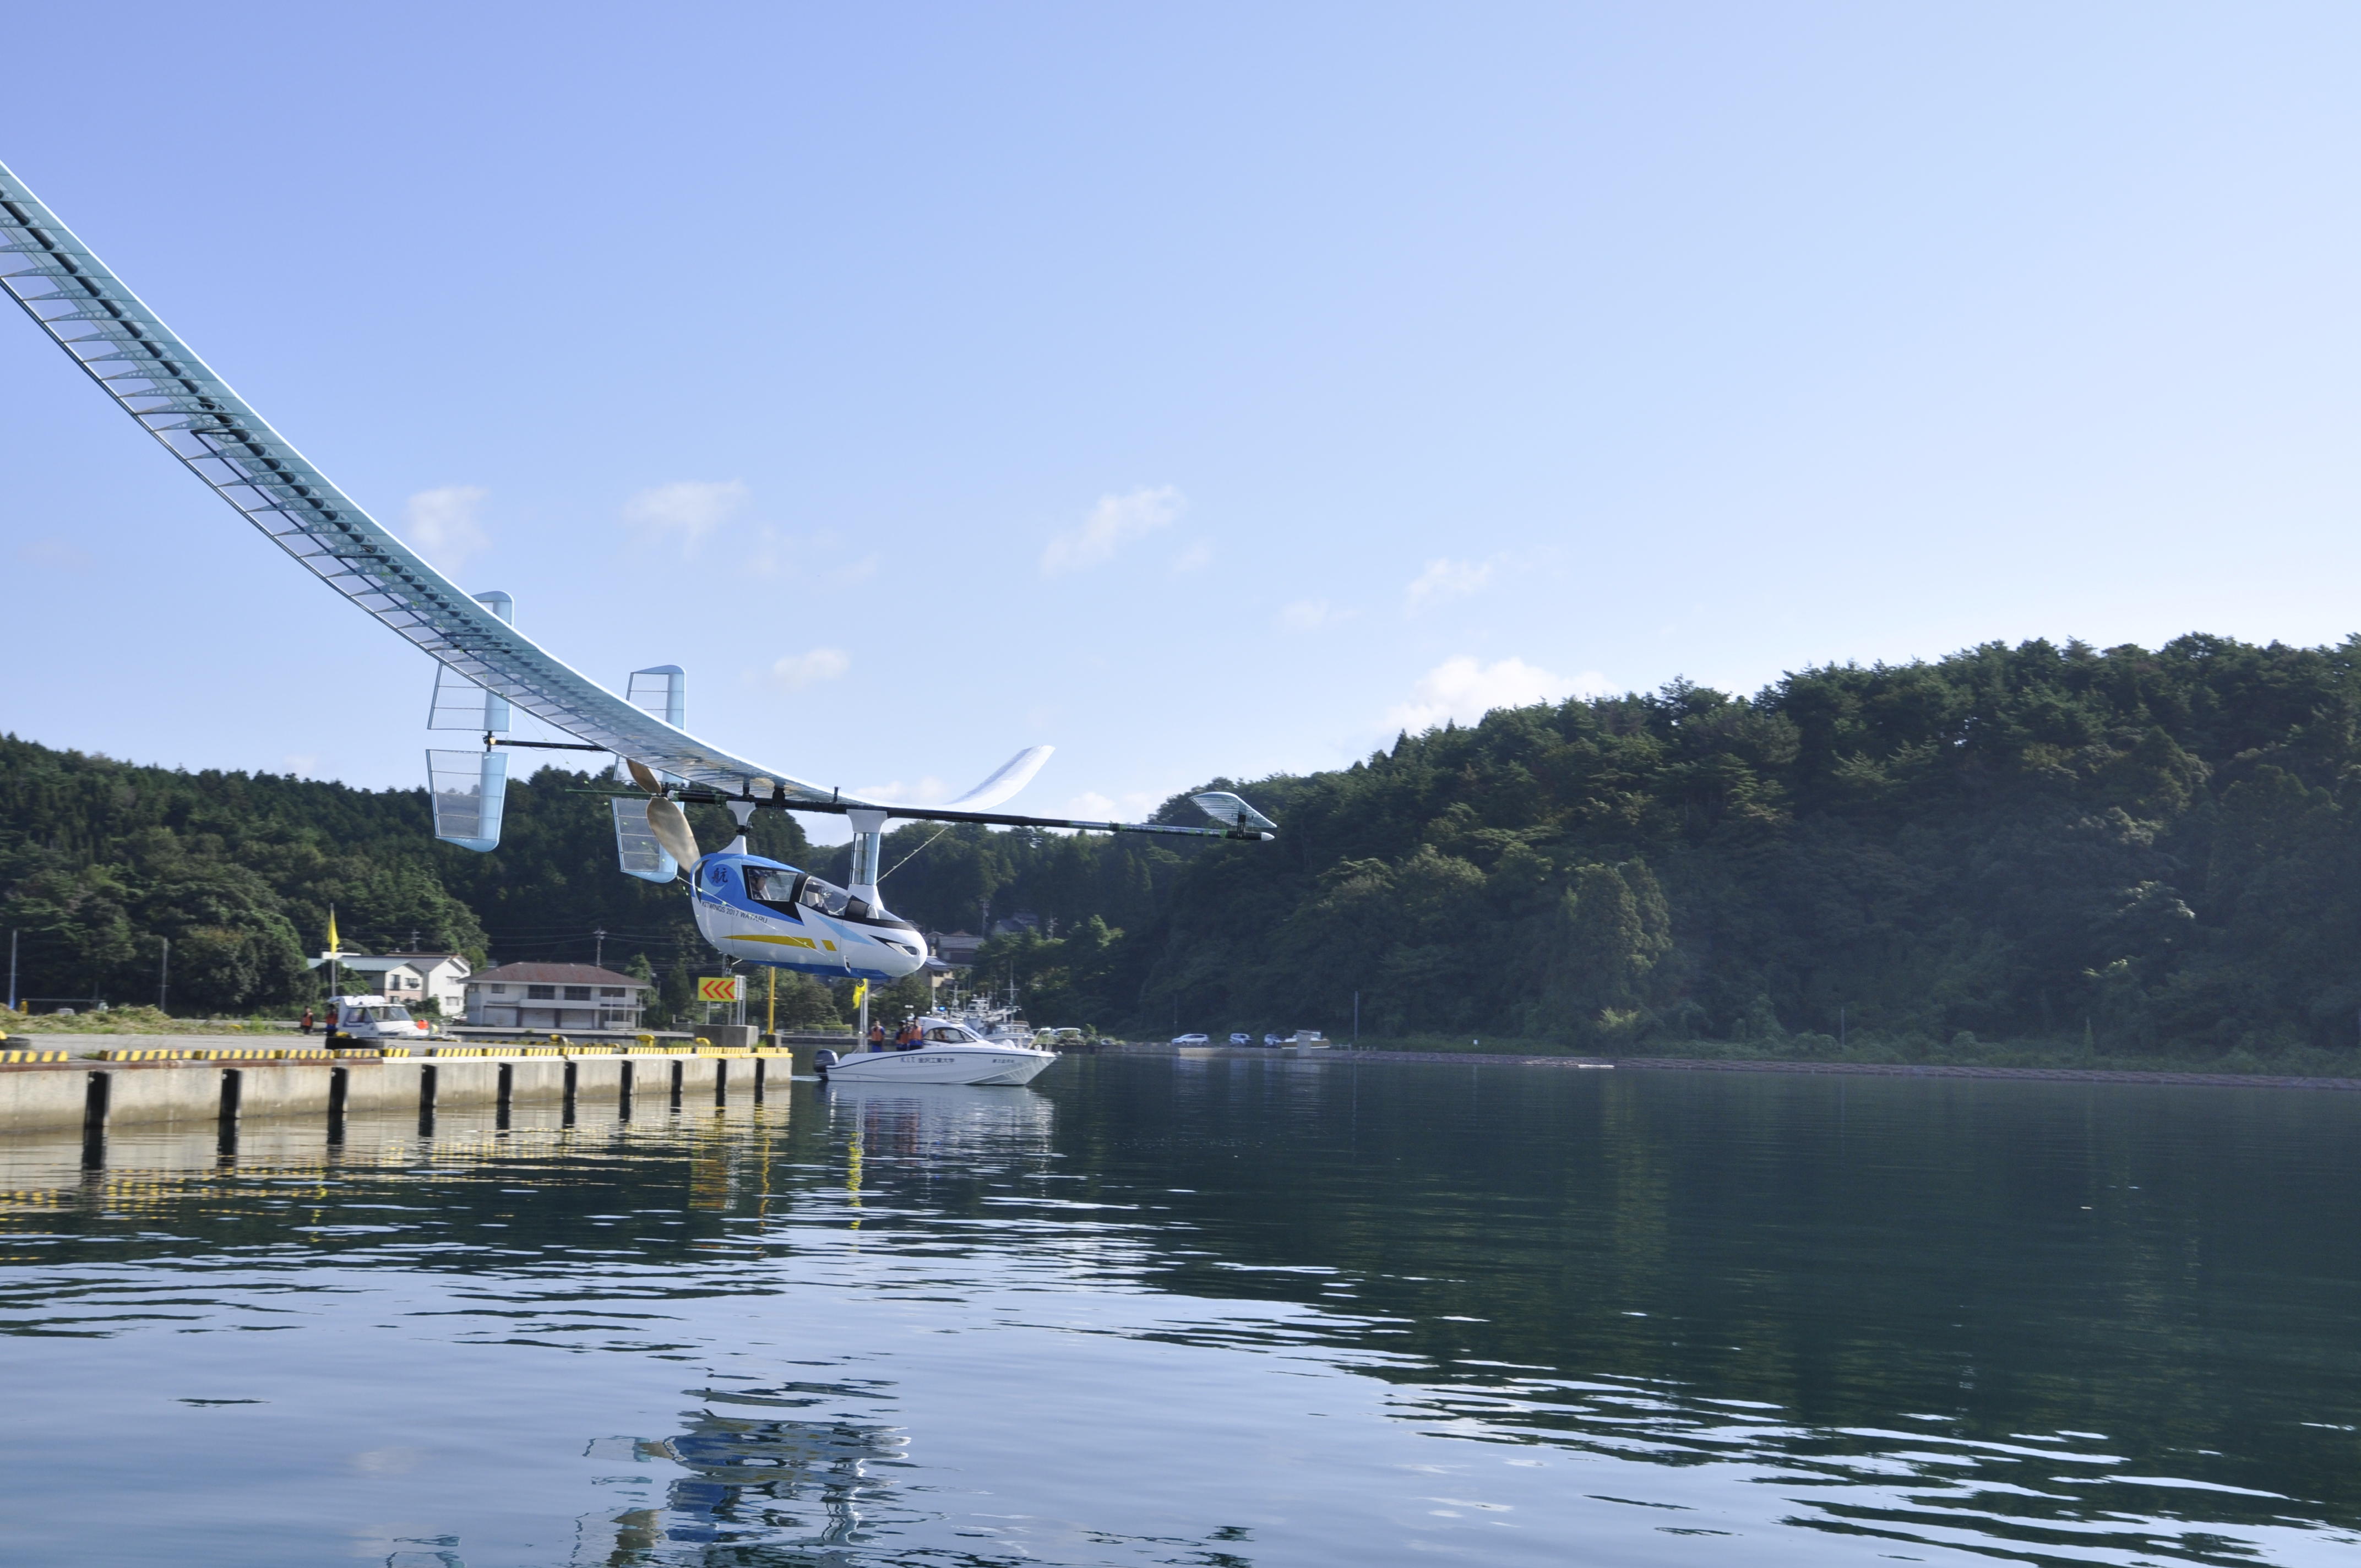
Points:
x=670, y=825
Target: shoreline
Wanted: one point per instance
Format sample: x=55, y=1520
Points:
x=1722, y=1064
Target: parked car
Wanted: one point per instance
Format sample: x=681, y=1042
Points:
x=1192, y=1039
x=1273, y=1040
x=363, y=1020
x=1241, y=1038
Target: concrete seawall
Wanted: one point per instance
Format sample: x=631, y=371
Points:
x=92, y=1096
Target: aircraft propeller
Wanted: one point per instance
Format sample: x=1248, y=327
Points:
x=666, y=820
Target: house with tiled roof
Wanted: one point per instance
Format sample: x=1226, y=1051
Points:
x=579, y=998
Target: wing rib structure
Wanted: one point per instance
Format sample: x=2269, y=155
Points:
x=175, y=396
x=152, y=375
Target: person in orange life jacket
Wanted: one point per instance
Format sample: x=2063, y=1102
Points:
x=876, y=1036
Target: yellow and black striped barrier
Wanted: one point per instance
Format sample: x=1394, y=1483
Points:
x=32, y=1055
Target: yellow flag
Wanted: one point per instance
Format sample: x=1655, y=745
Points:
x=860, y=992
x=333, y=945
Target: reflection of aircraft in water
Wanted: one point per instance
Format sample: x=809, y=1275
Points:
x=792, y=1481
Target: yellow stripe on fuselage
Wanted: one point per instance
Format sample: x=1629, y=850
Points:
x=784, y=941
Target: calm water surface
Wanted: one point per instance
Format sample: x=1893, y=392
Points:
x=1206, y=1313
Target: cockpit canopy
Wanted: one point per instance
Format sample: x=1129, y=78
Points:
x=787, y=890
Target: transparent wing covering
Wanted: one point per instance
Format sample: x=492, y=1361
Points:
x=470, y=790
x=178, y=398
x=461, y=704
x=637, y=851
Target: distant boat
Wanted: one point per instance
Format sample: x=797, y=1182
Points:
x=947, y=1052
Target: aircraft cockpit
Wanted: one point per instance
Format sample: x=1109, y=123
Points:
x=788, y=891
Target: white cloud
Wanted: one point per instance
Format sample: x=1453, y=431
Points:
x=1464, y=690
x=687, y=509
x=1312, y=615
x=797, y=670
x=1092, y=806
x=1192, y=558
x=1115, y=521
x=1448, y=579
x=442, y=524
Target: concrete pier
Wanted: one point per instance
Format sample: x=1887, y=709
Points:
x=91, y=1096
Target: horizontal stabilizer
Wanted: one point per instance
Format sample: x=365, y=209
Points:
x=1223, y=806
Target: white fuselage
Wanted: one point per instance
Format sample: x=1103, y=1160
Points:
x=816, y=931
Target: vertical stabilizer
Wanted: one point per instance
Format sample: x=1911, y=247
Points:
x=637, y=849
x=663, y=690
x=460, y=703
x=470, y=790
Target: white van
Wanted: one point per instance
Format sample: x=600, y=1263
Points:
x=373, y=1021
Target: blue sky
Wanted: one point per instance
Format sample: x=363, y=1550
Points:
x=1206, y=391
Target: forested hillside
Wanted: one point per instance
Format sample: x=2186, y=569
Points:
x=2147, y=850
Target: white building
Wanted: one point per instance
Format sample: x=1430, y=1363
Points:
x=410, y=979
x=579, y=997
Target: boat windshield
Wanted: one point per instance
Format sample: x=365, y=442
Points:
x=387, y=1015
x=949, y=1034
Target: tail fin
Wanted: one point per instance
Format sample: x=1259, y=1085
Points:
x=1223, y=806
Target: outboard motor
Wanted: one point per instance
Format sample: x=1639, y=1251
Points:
x=822, y=1060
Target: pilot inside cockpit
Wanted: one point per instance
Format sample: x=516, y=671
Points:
x=784, y=889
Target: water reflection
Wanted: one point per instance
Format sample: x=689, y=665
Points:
x=750, y=1469
x=1204, y=1312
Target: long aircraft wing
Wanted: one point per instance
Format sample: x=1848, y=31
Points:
x=153, y=377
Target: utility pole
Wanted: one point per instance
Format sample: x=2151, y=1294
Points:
x=164, y=974
x=1356, y=1020
x=12, y=970
x=599, y=952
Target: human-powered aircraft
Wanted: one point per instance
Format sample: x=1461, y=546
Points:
x=752, y=909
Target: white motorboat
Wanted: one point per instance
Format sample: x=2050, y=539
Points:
x=947, y=1052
